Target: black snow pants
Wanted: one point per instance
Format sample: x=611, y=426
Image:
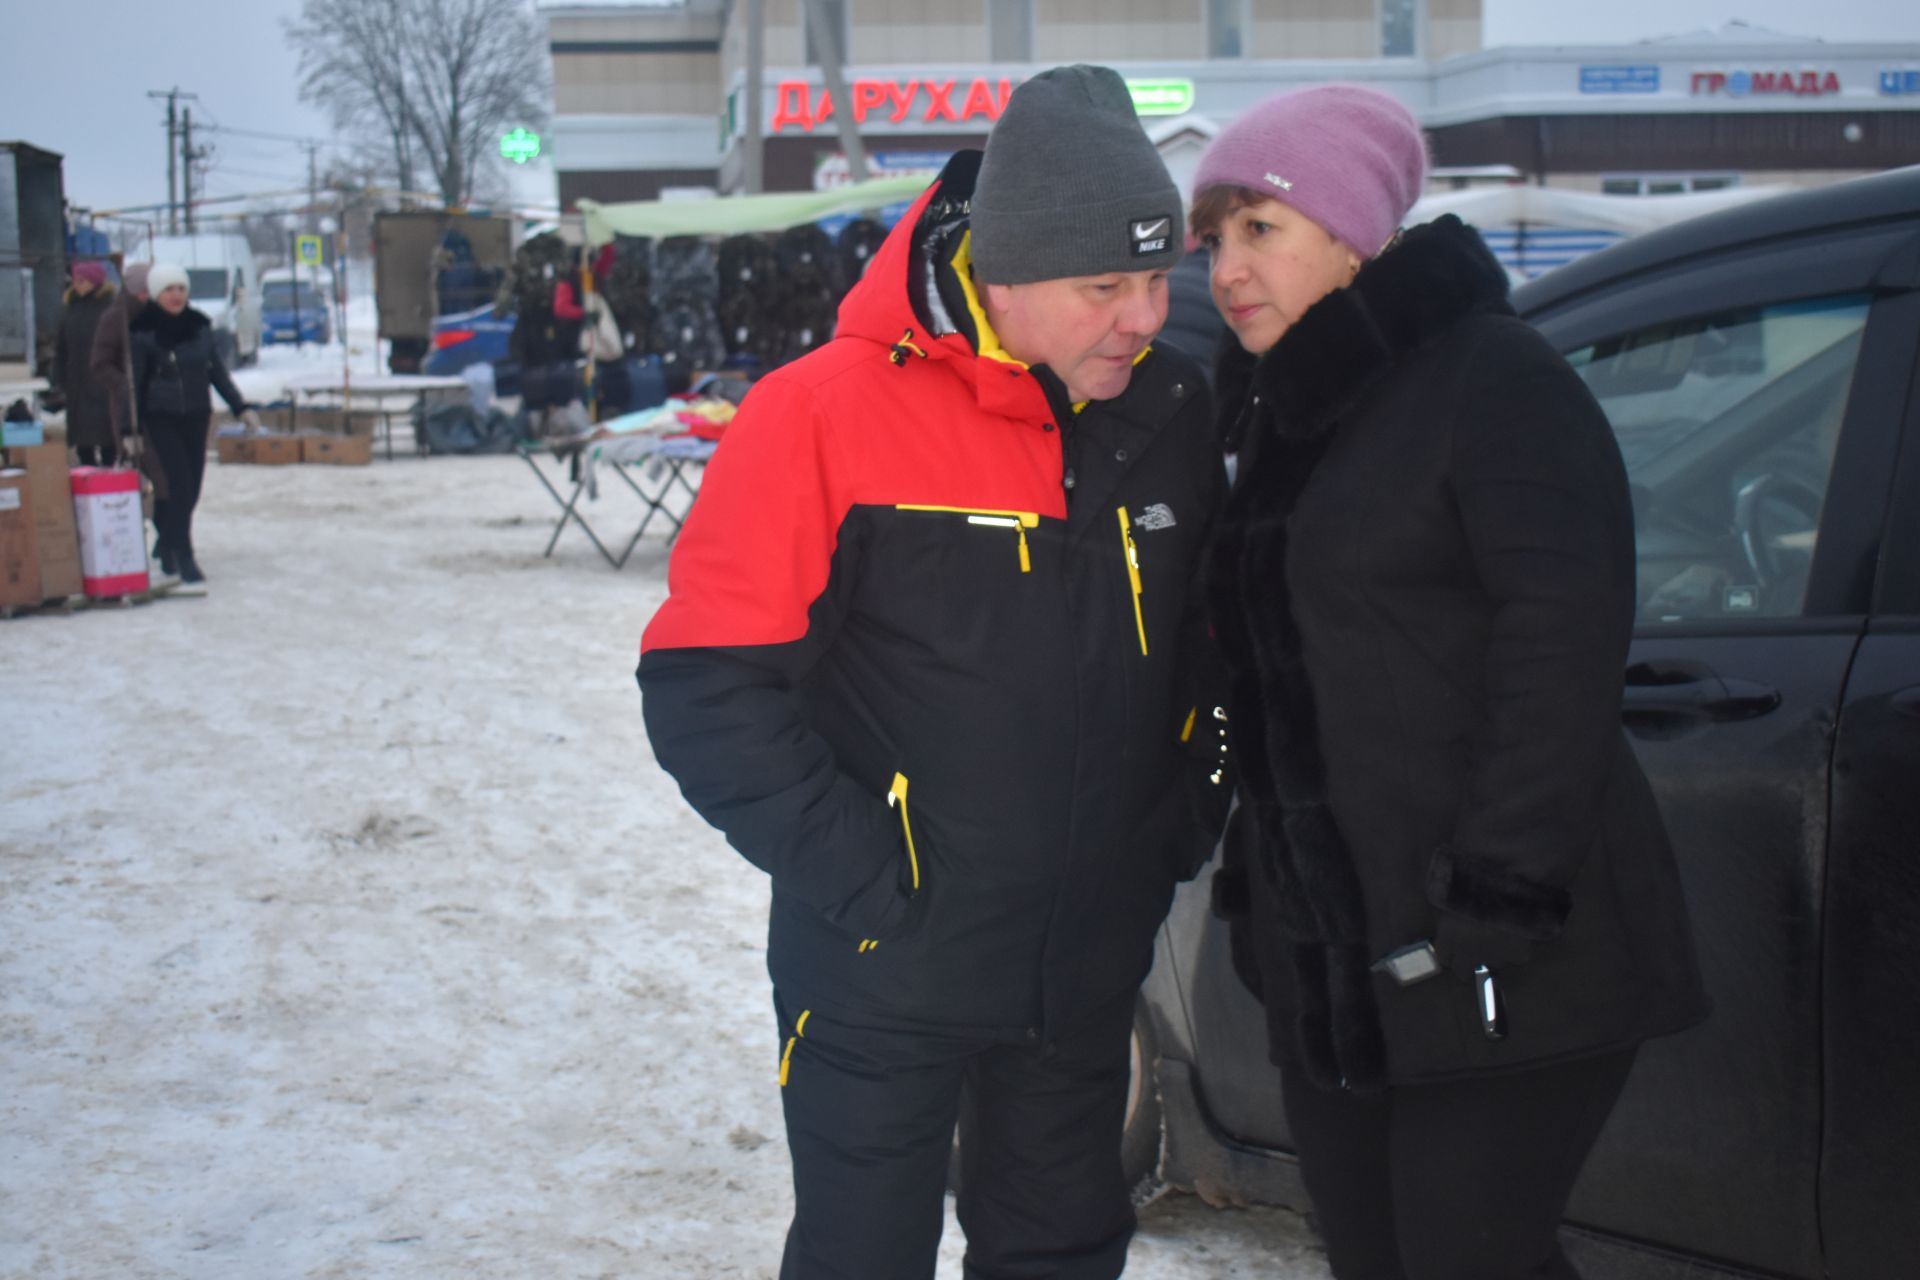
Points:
x=180, y=441
x=870, y=1121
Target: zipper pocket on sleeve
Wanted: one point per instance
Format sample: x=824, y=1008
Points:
x=1018, y=521
x=1132, y=554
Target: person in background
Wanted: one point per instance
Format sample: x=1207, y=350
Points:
x=110, y=361
x=1448, y=882
x=176, y=368
x=90, y=429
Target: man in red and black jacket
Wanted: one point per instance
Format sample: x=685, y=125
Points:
x=933, y=659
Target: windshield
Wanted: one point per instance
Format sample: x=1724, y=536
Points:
x=278, y=295
x=207, y=282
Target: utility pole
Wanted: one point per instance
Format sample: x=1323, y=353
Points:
x=187, y=156
x=826, y=43
x=172, y=96
x=313, y=181
x=753, y=168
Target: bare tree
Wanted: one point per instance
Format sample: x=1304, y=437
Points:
x=438, y=78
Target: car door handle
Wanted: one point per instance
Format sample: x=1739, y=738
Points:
x=1694, y=692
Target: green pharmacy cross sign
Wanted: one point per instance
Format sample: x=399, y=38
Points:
x=1161, y=97
x=520, y=146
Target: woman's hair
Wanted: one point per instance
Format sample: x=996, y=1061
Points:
x=1212, y=209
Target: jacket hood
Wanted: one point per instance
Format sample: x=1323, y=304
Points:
x=171, y=329
x=1436, y=275
x=918, y=300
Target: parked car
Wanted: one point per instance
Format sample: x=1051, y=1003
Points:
x=1759, y=368
x=296, y=310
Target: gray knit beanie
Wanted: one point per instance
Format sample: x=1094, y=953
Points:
x=1071, y=186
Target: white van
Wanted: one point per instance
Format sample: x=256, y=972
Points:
x=215, y=262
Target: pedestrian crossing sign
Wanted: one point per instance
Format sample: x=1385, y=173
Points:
x=307, y=250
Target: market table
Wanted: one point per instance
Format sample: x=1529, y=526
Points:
x=383, y=389
x=667, y=459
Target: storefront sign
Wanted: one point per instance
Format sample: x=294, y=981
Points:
x=1161, y=97
x=1740, y=84
x=896, y=101
x=1900, y=82
x=1631, y=79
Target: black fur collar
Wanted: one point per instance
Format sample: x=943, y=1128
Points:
x=1437, y=274
x=171, y=330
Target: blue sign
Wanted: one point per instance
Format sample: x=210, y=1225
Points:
x=1900, y=82
x=1624, y=79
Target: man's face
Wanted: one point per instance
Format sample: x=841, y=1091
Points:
x=1087, y=329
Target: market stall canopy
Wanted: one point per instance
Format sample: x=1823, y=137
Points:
x=733, y=215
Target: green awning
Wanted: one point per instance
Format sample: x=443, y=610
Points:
x=732, y=215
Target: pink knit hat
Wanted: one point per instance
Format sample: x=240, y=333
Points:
x=92, y=272
x=1352, y=159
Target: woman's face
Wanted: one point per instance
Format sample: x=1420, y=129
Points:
x=172, y=299
x=1270, y=263
x=82, y=286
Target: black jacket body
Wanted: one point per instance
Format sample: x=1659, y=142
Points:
x=1424, y=587
x=176, y=368
x=904, y=667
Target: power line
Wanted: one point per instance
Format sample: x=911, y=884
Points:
x=270, y=137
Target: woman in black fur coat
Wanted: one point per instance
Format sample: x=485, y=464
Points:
x=1424, y=586
x=176, y=368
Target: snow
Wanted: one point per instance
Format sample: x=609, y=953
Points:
x=348, y=928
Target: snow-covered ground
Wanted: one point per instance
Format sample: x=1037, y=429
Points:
x=347, y=928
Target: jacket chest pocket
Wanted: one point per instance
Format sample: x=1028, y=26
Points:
x=1012, y=524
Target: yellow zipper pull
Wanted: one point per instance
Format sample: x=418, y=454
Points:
x=1026, y=562
x=786, y=1058
x=897, y=794
x=1133, y=576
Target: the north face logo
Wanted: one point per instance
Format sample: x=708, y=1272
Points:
x=1157, y=516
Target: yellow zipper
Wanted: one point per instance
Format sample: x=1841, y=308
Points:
x=897, y=795
x=1133, y=576
x=1018, y=521
x=786, y=1058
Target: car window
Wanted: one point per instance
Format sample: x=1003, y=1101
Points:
x=206, y=282
x=1728, y=425
x=280, y=296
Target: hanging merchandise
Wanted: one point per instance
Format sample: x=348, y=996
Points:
x=750, y=288
x=686, y=330
x=859, y=241
x=629, y=287
x=809, y=292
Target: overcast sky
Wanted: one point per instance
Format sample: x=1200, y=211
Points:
x=81, y=89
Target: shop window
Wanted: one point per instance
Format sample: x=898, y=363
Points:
x=1010, y=30
x=1398, y=22
x=1665, y=184
x=836, y=15
x=1226, y=28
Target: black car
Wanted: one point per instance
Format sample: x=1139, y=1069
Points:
x=1759, y=368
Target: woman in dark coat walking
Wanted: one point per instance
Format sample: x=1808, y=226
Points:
x=176, y=368
x=90, y=429
x=1424, y=586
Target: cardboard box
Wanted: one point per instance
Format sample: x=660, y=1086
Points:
x=233, y=448
x=339, y=451
x=275, y=451
x=19, y=566
x=113, y=541
x=56, y=538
